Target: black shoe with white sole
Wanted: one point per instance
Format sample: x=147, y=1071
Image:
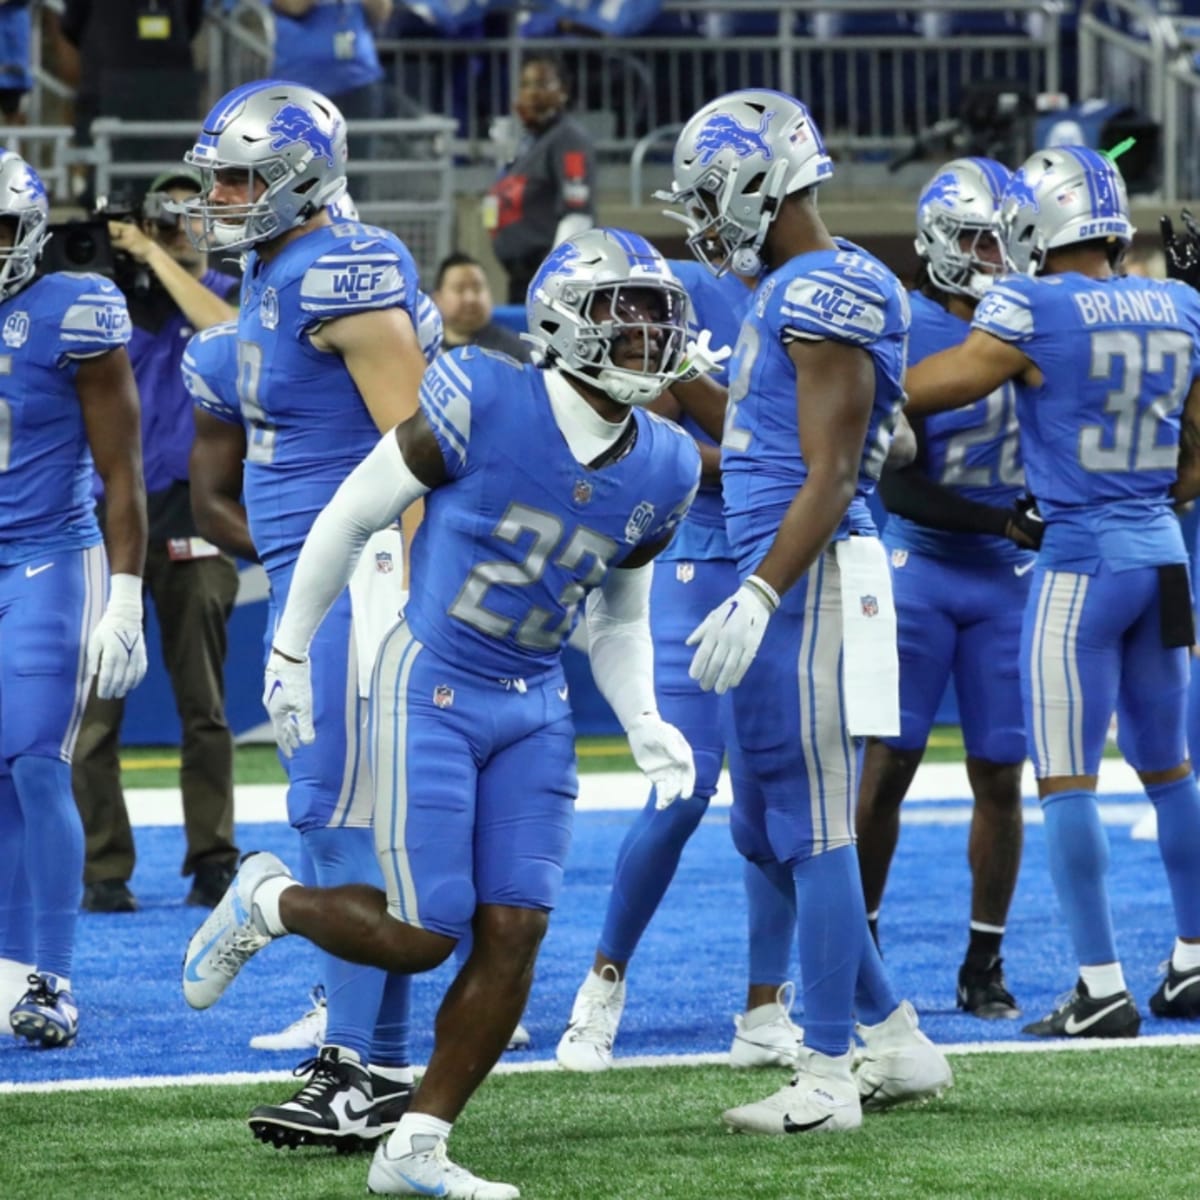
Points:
x=1178, y=995
x=1079, y=1015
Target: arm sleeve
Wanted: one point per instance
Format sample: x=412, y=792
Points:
x=371, y=497
x=619, y=644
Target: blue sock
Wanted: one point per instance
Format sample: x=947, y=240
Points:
x=53, y=856
x=832, y=923
x=771, y=909
x=1077, y=847
x=646, y=864
x=1178, y=807
x=16, y=905
x=874, y=997
x=390, y=1041
x=1193, y=715
x=353, y=993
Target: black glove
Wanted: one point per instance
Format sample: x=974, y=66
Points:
x=1182, y=254
x=1025, y=525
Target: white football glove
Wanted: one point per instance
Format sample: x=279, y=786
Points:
x=702, y=358
x=730, y=635
x=664, y=757
x=287, y=697
x=116, y=652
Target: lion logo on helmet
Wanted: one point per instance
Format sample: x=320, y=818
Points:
x=292, y=123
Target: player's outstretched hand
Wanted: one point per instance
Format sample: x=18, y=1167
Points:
x=702, y=358
x=116, y=652
x=1182, y=252
x=728, y=638
x=663, y=755
x=287, y=697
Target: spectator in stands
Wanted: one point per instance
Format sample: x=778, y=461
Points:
x=464, y=299
x=171, y=292
x=16, y=72
x=547, y=193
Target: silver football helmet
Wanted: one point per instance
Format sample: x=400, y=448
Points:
x=955, y=216
x=1058, y=198
x=735, y=161
x=23, y=200
x=288, y=136
x=601, y=289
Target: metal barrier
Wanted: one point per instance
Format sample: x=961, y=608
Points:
x=48, y=149
x=240, y=45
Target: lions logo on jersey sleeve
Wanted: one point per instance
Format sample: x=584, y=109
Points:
x=94, y=316
x=430, y=328
x=846, y=296
x=363, y=268
x=1006, y=312
x=446, y=397
x=210, y=371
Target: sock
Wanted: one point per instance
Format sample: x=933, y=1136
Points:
x=646, y=864
x=1193, y=714
x=390, y=1039
x=1178, y=807
x=266, y=901
x=1185, y=956
x=1104, y=979
x=1078, y=852
x=53, y=856
x=16, y=903
x=771, y=913
x=983, y=948
x=418, y=1125
x=404, y=1075
x=764, y=1014
x=874, y=997
x=832, y=926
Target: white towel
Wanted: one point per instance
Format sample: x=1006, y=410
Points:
x=377, y=597
x=870, y=663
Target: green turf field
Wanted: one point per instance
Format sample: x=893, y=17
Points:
x=1111, y=1124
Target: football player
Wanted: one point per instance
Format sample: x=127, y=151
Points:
x=1105, y=369
x=814, y=396
x=68, y=403
x=961, y=557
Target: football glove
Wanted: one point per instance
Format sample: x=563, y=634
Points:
x=287, y=697
x=702, y=358
x=116, y=651
x=1182, y=253
x=728, y=638
x=664, y=757
x=1025, y=525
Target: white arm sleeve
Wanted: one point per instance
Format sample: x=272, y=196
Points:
x=619, y=645
x=371, y=497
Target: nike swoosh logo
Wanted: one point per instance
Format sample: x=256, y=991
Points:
x=189, y=972
x=365, y=246
x=562, y=693
x=128, y=645
x=1023, y=568
x=419, y=1188
x=357, y=1114
x=1170, y=993
x=30, y=572
x=1072, y=1026
x=790, y=1126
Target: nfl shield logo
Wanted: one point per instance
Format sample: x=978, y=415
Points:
x=383, y=562
x=268, y=309
x=685, y=572
x=582, y=493
x=870, y=606
x=899, y=558
x=443, y=696
x=16, y=330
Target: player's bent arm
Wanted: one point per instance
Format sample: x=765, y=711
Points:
x=710, y=456
x=109, y=400
x=201, y=307
x=903, y=449
x=1187, y=484
x=215, y=476
x=835, y=389
x=703, y=399
x=404, y=465
x=963, y=374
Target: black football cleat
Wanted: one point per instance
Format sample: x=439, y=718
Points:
x=982, y=993
x=1078, y=1015
x=1178, y=995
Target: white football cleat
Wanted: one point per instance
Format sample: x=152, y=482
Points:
x=422, y=1168
x=821, y=1098
x=765, y=1036
x=231, y=934
x=587, y=1043
x=899, y=1063
x=520, y=1039
x=304, y=1032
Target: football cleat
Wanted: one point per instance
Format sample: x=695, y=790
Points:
x=1178, y=995
x=390, y=1100
x=899, y=1063
x=765, y=1036
x=821, y=1098
x=586, y=1045
x=46, y=1014
x=334, y=1108
x=982, y=993
x=1077, y=1014
x=424, y=1169
x=231, y=934
x=305, y=1032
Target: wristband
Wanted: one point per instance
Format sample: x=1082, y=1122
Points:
x=766, y=592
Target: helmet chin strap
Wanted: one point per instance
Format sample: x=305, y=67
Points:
x=745, y=261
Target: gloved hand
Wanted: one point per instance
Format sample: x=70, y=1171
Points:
x=287, y=697
x=664, y=757
x=116, y=652
x=730, y=635
x=1182, y=254
x=1025, y=525
x=702, y=358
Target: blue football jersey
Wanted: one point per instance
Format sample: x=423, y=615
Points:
x=307, y=427
x=45, y=462
x=974, y=451
x=510, y=546
x=210, y=371
x=1100, y=434
x=718, y=305
x=843, y=295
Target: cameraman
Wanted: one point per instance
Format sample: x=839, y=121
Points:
x=171, y=293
